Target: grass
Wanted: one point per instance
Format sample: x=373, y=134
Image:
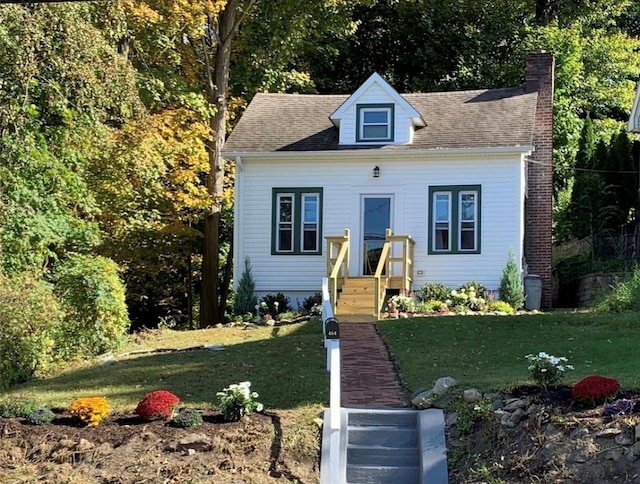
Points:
x=286, y=366
x=488, y=352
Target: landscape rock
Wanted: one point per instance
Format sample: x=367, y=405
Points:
x=497, y=404
x=472, y=395
x=515, y=403
x=84, y=445
x=438, y=396
x=633, y=452
x=637, y=432
x=623, y=439
x=451, y=418
x=517, y=416
x=581, y=456
x=506, y=420
x=66, y=443
x=197, y=442
x=614, y=454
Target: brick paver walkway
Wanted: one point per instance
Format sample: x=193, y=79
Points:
x=368, y=375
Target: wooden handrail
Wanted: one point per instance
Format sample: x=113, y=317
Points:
x=337, y=267
x=380, y=288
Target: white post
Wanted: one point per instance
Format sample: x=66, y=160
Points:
x=334, y=395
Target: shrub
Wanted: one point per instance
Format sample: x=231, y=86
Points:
x=311, y=303
x=17, y=406
x=187, y=417
x=275, y=304
x=157, y=404
x=501, y=306
x=511, y=288
x=547, y=369
x=30, y=318
x=238, y=400
x=90, y=410
x=434, y=292
x=595, y=389
x=624, y=296
x=474, y=287
x=41, y=416
x=245, y=300
x=431, y=306
x=466, y=298
x=405, y=303
x=94, y=301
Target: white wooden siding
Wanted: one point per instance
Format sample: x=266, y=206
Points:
x=344, y=181
x=403, y=128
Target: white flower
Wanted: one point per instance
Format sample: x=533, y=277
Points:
x=259, y=407
x=454, y=292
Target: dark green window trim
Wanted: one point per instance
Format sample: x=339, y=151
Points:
x=359, y=120
x=297, y=232
x=454, y=229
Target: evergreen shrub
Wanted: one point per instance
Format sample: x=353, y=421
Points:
x=245, y=300
x=511, y=287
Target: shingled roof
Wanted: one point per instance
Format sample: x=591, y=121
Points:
x=458, y=119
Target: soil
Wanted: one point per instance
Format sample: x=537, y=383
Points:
x=557, y=442
x=124, y=449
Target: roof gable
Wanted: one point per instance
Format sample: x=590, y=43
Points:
x=377, y=79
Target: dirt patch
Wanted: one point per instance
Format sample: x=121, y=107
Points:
x=261, y=448
x=556, y=442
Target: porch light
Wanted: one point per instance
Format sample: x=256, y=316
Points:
x=376, y=172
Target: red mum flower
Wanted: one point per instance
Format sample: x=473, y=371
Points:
x=158, y=404
x=595, y=388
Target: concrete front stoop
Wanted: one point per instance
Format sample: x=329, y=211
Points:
x=388, y=446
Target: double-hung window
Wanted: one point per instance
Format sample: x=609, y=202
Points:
x=296, y=221
x=454, y=219
x=374, y=122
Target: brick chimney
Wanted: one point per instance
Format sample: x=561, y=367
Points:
x=538, y=205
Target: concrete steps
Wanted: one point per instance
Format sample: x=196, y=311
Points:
x=388, y=446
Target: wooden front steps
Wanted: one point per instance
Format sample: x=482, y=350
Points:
x=356, y=301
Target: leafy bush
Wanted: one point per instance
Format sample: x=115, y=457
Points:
x=434, y=292
x=30, y=318
x=275, y=304
x=595, y=389
x=41, y=416
x=94, y=301
x=17, y=406
x=501, y=306
x=311, y=303
x=474, y=287
x=186, y=418
x=625, y=296
x=547, y=369
x=466, y=298
x=90, y=410
x=511, y=288
x=403, y=303
x=238, y=400
x=431, y=306
x=245, y=300
x=157, y=404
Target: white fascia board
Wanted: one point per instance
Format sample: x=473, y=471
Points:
x=397, y=98
x=382, y=154
x=634, y=119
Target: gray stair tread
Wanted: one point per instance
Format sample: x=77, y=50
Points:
x=382, y=418
x=383, y=456
x=371, y=474
x=384, y=436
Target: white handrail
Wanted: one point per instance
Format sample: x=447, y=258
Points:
x=333, y=367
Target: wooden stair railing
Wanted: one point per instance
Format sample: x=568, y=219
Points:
x=338, y=265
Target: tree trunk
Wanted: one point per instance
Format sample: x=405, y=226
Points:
x=209, y=297
x=226, y=282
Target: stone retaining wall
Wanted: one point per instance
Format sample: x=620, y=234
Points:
x=590, y=285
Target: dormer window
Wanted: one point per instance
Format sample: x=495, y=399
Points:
x=374, y=122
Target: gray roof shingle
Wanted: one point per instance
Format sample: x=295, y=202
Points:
x=458, y=119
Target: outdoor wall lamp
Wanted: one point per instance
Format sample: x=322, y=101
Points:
x=376, y=172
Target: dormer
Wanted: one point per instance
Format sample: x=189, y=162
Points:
x=376, y=115
x=634, y=119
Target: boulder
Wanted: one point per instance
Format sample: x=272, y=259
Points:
x=472, y=395
x=438, y=396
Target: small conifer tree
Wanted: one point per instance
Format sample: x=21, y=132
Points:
x=511, y=288
x=246, y=299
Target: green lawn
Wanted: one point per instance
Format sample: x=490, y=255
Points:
x=488, y=352
x=286, y=366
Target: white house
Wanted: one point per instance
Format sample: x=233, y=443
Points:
x=459, y=177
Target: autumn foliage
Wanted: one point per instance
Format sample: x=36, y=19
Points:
x=157, y=404
x=595, y=388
